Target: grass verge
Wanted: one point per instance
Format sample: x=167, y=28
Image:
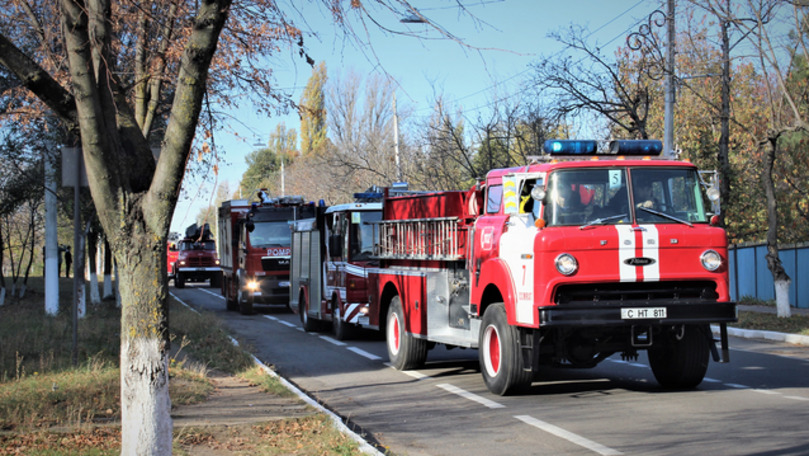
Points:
x=50, y=407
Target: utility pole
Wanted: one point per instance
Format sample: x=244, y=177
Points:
x=396, y=140
x=668, y=135
x=724, y=138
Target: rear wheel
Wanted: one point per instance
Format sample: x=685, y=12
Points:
x=501, y=362
x=216, y=281
x=308, y=324
x=680, y=360
x=405, y=351
x=244, y=298
x=230, y=298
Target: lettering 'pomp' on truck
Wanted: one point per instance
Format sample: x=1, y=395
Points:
x=562, y=262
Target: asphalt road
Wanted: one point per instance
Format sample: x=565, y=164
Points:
x=756, y=405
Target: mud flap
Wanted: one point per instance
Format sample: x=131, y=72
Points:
x=723, y=339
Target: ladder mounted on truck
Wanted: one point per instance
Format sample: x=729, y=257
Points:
x=420, y=239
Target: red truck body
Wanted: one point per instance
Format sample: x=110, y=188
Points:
x=254, y=243
x=331, y=254
x=195, y=258
x=557, y=263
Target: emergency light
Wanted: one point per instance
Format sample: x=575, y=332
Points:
x=570, y=147
x=636, y=147
x=590, y=147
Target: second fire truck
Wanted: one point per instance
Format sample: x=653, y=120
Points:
x=561, y=263
x=254, y=245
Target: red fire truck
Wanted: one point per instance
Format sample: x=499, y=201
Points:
x=254, y=244
x=195, y=258
x=330, y=256
x=561, y=263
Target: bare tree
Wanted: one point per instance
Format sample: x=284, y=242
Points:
x=595, y=84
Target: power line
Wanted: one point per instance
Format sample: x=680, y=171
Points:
x=556, y=54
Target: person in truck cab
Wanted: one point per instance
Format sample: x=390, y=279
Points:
x=644, y=195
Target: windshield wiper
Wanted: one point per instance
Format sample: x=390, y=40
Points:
x=667, y=216
x=601, y=221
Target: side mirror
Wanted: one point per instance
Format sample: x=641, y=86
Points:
x=538, y=194
x=250, y=226
x=713, y=196
x=335, y=245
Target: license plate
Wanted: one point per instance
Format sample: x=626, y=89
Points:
x=639, y=313
x=283, y=284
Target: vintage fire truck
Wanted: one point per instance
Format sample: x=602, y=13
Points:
x=330, y=256
x=563, y=262
x=195, y=259
x=254, y=244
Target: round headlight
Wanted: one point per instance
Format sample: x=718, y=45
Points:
x=710, y=260
x=566, y=264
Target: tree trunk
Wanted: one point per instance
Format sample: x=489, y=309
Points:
x=146, y=426
x=779, y=275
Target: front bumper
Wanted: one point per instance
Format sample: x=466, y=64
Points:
x=609, y=314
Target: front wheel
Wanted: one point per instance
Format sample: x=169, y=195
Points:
x=501, y=361
x=405, y=351
x=343, y=330
x=179, y=280
x=680, y=360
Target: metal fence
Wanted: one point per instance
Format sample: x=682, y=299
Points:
x=750, y=277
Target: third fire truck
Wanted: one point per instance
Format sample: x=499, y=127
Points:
x=561, y=263
x=254, y=240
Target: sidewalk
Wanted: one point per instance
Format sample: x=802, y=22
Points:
x=774, y=336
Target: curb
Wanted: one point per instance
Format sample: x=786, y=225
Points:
x=773, y=336
x=364, y=446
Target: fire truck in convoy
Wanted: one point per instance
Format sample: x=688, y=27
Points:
x=331, y=254
x=561, y=263
x=254, y=244
x=195, y=259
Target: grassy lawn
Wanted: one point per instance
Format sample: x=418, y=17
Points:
x=49, y=406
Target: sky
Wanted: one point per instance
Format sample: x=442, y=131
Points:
x=510, y=35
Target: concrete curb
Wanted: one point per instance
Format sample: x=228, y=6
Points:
x=773, y=336
x=365, y=447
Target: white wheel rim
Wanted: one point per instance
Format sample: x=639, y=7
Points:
x=492, y=351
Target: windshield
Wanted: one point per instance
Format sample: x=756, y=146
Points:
x=270, y=234
x=664, y=194
x=602, y=196
x=203, y=245
x=362, y=237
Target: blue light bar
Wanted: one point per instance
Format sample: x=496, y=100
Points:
x=570, y=147
x=636, y=147
x=368, y=197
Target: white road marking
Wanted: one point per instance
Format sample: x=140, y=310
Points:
x=333, y=341
x=471, y=396
x=364, y=353
x=567, y=435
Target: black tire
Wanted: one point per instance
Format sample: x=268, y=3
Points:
x=216, y=281
x=179, y=280
x=501, y=362
x=342, y=330
x=680, y=359
x=245, y=300
x=230, y=300
x=405, y=351
x=309, y=324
